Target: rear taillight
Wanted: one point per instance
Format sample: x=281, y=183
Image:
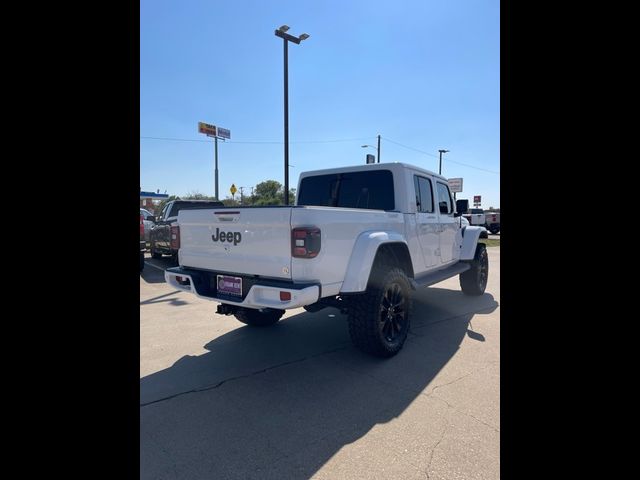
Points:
x=305, y=242
x=175, y=237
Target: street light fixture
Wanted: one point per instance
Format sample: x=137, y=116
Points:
x=365, y=146
x=441, y=152
x=377, y=148
x=282, y=33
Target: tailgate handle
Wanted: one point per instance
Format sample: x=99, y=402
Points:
x=221, y=216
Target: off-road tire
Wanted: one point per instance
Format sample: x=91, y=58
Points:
x=259, y=318
x=474, y=280
x=379, y=318
x=494, y=230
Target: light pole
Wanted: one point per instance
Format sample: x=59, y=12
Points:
x=282, y=33
x=377, y=149
x=441, y=152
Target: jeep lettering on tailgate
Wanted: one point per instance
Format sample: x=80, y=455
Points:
x=235, y=237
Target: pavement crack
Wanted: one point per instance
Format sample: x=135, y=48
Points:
x=238, y=377
x=473, y=372
x=497, y=430
x=452, y=381
x=433, y=449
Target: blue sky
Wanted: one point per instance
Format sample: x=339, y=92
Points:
x=421, y=73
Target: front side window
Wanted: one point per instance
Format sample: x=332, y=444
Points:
x=444, y=199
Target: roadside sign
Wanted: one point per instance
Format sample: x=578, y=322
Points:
x=233, y=189
x=210, y=130
x=476, y=199
x=455, y=184
x=224, y=133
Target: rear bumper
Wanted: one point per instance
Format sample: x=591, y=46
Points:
x=257, y=293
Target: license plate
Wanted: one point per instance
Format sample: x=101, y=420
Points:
x=229, y=285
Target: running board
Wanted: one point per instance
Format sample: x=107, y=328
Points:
x=434, y=277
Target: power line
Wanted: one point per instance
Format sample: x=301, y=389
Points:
x=259, y=142
x=411, y=148
x=435, y=156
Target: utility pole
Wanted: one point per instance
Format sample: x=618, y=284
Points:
x=216, y=149
x=441, y=152
x=378, y=148
x=241, y=192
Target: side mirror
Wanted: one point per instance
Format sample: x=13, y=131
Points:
x=151, y=218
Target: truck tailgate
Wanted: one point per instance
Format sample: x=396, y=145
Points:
x=254, y=241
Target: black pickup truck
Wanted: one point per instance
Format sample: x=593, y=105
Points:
x=161, y=234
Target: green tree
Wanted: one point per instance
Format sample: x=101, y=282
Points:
x=195, y=195
x=268, y=189
x=270, y=192
x=231, y=202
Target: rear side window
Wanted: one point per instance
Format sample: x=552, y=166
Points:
x=424, y=194
x=373, y=190
x=444, y=199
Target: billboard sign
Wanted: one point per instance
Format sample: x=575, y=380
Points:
x=455, y=185
x=209, y=130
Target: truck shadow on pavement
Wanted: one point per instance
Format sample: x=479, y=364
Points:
x=176, y=302
x=279, y=402
x=153, y=271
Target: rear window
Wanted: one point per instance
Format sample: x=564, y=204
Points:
x=373, y=190
x=193, y=206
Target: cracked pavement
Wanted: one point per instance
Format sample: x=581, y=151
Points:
x=296, y=400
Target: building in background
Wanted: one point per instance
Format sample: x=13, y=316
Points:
x=149, y=200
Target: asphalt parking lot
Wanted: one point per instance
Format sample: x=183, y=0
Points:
x=220, y=400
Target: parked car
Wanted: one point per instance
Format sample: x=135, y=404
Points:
x=476, y=217
x=148, y=222
x=160, y=236
x=359, y=238
x=143, y=243
x=493, y=222
x=465, y=223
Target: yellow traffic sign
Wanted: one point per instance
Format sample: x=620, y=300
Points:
x=233, y=189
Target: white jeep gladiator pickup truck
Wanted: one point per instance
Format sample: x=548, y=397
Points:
x=359, y=238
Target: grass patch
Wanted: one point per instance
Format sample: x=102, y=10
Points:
x=490, y=242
